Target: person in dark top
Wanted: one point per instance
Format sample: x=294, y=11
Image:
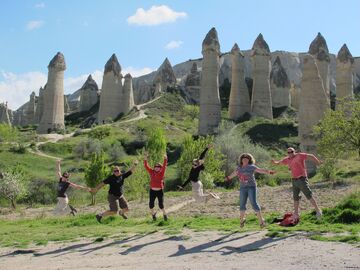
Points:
x=157, y=175
x=63, y=206
x=197, y=186
x=116, y=192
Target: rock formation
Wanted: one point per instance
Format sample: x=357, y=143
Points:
x=295, y=96
x=40, y=105
x=279, y=84
x=318, y=48
x=313, y=104
x=53, y=116
x=261, y=103
x=88, y=94
x=66, y=105
x=4, y=114
x=164, y=77
x=210, y=106
x=30, y=110
x=111, y=91
x=344, y=74
x=239, y=101
x=128, y=95
x=192, y=83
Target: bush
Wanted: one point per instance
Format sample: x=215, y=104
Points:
x=18, y=148
x=59, y=148
x=41, y=191
x=8, y=133
x=116, y=152
x=12, y=186
x=192, y=111
x=327, y=169
x=85, y=149
x=100, y=132
x=347, y=211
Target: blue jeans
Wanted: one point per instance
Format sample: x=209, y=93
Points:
x=250, y=192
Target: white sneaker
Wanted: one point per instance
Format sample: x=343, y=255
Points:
x=319, y=215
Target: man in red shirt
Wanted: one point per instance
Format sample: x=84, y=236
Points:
x=296, y=163
x=156, y=185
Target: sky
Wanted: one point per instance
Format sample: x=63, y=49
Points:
x=143, y=33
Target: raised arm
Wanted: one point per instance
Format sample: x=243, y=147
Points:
x=133, y=167
x=165, y=161
x=146, y=165
x=58, y=169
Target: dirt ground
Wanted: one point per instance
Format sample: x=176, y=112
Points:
x=191, y=250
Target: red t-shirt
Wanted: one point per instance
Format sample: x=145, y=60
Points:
x=156, y=178
x=296, y=164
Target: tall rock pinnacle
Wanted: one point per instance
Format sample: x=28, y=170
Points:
x=260, y=46
x=319, y=49
x=58, y=62
x=113, y=65
x=211, y=41
x=344, y=55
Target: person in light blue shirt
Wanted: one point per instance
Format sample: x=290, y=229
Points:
x=246, y=174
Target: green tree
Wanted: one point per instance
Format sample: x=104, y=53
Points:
x=100, y=132
x=12, y=186
x=8, y=133
x=339, y=132
x=192, y=149
x=95, y=172
x=156, y=145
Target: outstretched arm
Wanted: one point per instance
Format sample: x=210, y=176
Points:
x=314, y=158
x=165, y=161
x=229, y=177
x=79, y=186
x=263, y=171
x=96, y=189
x=146, y=165
x=185, y=183
x=58, y=169
x=133, y=167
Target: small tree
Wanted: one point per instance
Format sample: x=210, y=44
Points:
x=12, y=186
x=156, y=145
x=339, y=132
x=95, y=172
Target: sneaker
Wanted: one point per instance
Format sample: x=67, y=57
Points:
x=123, y=215
x=165, y=217
x=262, y=224
x=73, y=209
x=319, y=215
x=154, y=217
x=98, y=218
x=72, y=213
x=215, y=196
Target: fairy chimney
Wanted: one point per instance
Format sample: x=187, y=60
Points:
x=280, y=85
x=164, y=78
x=111, y=91
x=128, y=96
x=192, y=83
x=239, y=101
x=344, y=74
x=210, y=106
x=53, y=115
x=261, y=102
x=88, y=94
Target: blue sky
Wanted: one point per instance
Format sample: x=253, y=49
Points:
x=143, y=33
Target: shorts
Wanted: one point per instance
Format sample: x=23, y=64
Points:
x=113, y=205
x=301, y=184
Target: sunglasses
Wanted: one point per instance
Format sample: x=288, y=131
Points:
x=290, y=152
x=116, y=171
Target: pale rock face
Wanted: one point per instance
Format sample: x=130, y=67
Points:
x=344, y=74
x=279, y=84
x=4, y=114
x=53, y=116
x=318, y=48
x=40, y=105
x=30, y=110
x=313, y=104
x=210, y=106
x=88, y=94
x=164, y=77
x=111, y=91
x=295, y=96
x=261, y=102
x=128, y=95
x=192, y=83
x=239, y=101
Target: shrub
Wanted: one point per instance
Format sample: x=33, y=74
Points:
x=85, y=149
x=116, y=152
x=59, y=148
x=12, y=186
x=40, y=191
x=100, y=132
x=19, y=148
x=327, y=169
x=8, y=133
x=192, y=111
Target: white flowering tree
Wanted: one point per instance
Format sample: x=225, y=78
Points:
x=12, y=186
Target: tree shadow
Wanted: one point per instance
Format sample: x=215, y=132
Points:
x=19, y=252
x=202, y=248
x=140, y=246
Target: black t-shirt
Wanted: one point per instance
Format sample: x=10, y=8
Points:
x=61, y=188
x=116, y=183
x=194, y=174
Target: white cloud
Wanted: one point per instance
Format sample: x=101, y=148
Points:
x=173, y=44
x=16, y=88
x=40, y=5
x=155, y=15
x=32, y=25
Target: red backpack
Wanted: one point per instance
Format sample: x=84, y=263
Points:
x=289, y=220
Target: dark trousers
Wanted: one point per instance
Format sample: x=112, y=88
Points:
x=159, y=194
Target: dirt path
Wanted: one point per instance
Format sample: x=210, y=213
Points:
x=190, y=250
